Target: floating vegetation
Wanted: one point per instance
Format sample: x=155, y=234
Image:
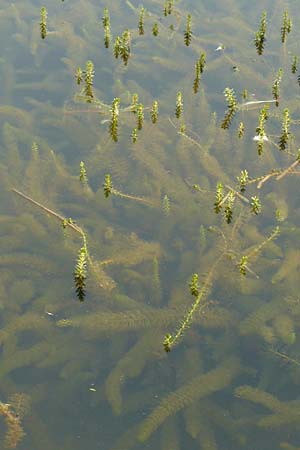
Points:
x=260, y=35
x=43, y=22
x=164, y=291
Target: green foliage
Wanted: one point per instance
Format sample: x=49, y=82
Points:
x=43, y=22
x=106, y=26
x=166, y=207
x=82, y=174
x=134, y=135
x=199, y=67
x=168, y=7
x=228, y=208
x=260, y=129
x=194, y=285
x=179, y=105
x=255, y=205
x=260, y=35
x=154, y=111
x=276, y=86
x=286, y=26
x=140, y=116
x=80, y=274
x=243, y=179
x=141, y=21
x=241, y=130
x=79, y=75
x=134, y=103
x=285, y=133
x=232, y=107
x=188, y=31
x=295, y=64
x=219, y=198
x=107, y=186
x=155, y=29
x=243, y=265
x=124, y=47
x=89, y=81
x=117, y=47
x=114, y=119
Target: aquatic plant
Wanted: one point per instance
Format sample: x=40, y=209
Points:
x=260, y=35
x=143, y=282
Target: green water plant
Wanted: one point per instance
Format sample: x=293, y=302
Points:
x=241, y=130
x=141, y=21
x=199, y=68
x=285, y=132
x=286, y=27
x=232, y=107
x=89, y=74
x=260, y=35
x=168, y=5
x=140, y=116
x=199, y=295
x=188, y=30
x=295, y=61
x=108, y=190
x=260, y=129
x=179, y=105
x=114, y=120
x=106, y=26
x=276, y=86
x=155, y=29
x=243, y=179
x=43, y=22
x=154, y=112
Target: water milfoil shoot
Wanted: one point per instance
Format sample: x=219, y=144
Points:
x=43, y=22
x=106, y=26
x=114, y=121
x=117, y=47
x=276, y=86
x=170, y=340
x=255, y=205
x=154, y=111
x=108, y=190
x=80, y=273
x=241, y=130
x=260, y=129
x=219, y=197
x=140, y=116
x=125, y=46
x=107, y=186
x=243, y=180
x=295, y=64
x=188, y=31
x=260, y=35
x=228, y=208
x=134, y=135
x=155, y=29
x=89, y=81
x=79, y=75
x=166, y=206
x=199, y=67
x=243, y=263
x=141, y=21
x=134, y=102
x=285, y=133
x=286, y=26
x=179, y=105
x=168, y=7
x=83, y=174
x=232, y=107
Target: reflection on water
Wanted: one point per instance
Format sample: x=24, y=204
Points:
x=95, y=374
